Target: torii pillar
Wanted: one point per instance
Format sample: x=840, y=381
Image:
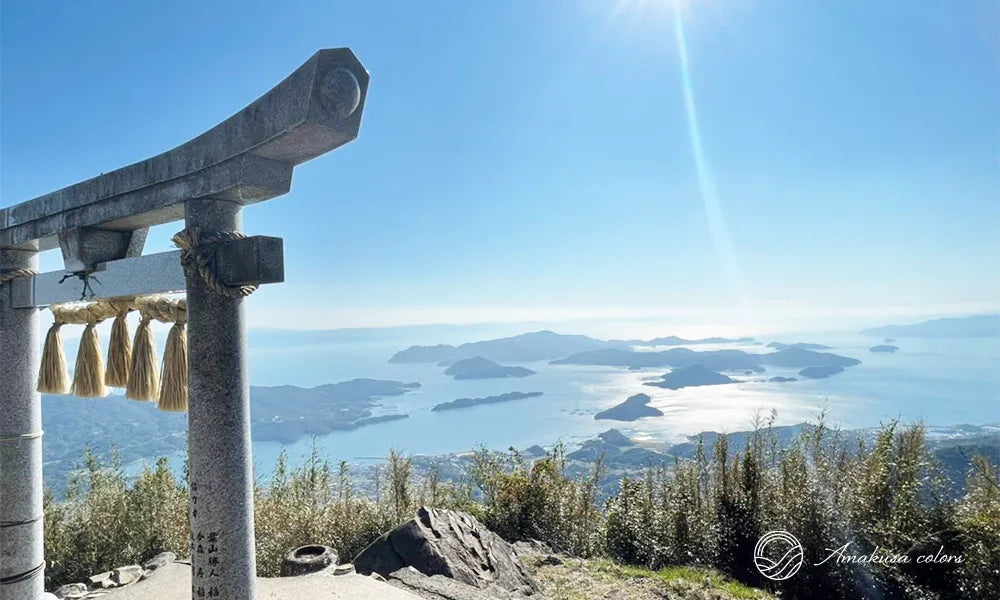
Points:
x=100, y=226
x=21, y=553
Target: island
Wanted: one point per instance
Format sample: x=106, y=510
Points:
x=287, y=413
x=615, y=438
x=802, y=345
x=782, y=379
x=694, y=375
x=634, y=407
x=715, y=360
x=483, y=368
x=889, y=348
x=821, y=372
x=467, y=402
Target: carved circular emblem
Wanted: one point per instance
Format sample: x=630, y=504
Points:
x=778, y=555
x=340, y=92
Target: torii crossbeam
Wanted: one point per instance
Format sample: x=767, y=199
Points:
x=100, y=225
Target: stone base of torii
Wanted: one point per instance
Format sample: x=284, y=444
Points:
x=99, y=225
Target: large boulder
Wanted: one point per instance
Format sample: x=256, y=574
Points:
x=452, y=544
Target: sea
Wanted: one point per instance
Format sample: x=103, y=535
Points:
x=940, y=382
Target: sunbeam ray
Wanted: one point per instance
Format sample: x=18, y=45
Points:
x=721, y=240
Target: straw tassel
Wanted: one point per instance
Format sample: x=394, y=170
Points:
x=143, y=379
x=53, y=378
x=119, y=352
x=88, y=376
x=174, y=389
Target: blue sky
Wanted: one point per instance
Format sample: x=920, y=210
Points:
x=533, y=160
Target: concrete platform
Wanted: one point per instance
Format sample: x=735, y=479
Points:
x=173, y=582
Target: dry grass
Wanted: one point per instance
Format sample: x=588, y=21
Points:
x=581, y=579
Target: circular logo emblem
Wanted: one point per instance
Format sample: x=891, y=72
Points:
x=778, y=555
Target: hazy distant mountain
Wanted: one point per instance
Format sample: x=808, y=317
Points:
x=478, y=367
x=694, y=375
x=958, y=327
x=467, y=402
x=673, y=340
x=527, y=347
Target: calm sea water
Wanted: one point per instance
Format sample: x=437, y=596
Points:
x=942, y=382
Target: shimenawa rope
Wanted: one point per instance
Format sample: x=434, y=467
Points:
x=195, y=255
x=13, y=274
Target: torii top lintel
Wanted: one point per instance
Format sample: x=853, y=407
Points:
x=247, y=158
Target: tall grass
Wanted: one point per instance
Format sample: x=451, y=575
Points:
x=888, y=495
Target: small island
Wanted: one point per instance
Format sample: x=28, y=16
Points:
x=821, y=372
x=634, y=407
x=782, y=379
x=800, y=345
x=615, y=438
x=467, y=402
x=694, y=375
x=886, y=348
x=483, y=368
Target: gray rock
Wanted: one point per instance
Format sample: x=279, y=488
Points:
x=452, y=544
x=126, y=575
x=439, y=587
x=529, y=547
x=101, y=581
x=49, y=596
x=71, y=591
x=160, y=560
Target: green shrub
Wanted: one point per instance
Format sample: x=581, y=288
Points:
x=707, y=512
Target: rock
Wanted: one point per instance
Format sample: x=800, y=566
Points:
x=160, y=560
x=449, y=543
x=71, y=590
x=440, y=587
x=126, y=575
x=307, y=559
x=551, y=560
x=532, y=547
x=377, y=577
x=101, y=581
x=48, y=596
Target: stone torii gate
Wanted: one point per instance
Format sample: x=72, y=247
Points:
x=100, y=225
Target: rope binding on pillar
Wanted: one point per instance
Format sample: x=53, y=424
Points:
x=12, y=274
x=196, y=255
